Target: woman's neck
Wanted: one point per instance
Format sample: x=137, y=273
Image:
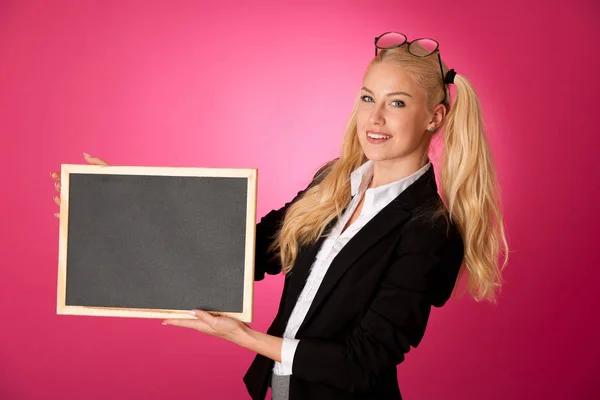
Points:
x=389, y=171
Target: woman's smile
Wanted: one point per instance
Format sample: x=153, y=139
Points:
x=375, y=137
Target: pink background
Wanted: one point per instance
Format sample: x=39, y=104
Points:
x=270, y=86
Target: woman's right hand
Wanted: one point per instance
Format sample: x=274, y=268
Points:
x=56, y=175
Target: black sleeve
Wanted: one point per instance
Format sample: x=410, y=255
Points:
x=422, y=275
x=268, y=227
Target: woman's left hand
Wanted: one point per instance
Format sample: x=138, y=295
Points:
x=216, y=325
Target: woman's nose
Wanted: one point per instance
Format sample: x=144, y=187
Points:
x=377, y=117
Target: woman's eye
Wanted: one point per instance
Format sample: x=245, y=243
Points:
x=398, y=103
x=366, y=98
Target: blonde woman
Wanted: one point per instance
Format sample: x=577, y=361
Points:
x=370, y=246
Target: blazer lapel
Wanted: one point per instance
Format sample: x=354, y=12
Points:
x=297, y=277
x=393, y=215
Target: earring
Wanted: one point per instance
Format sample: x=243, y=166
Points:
x=431, y=128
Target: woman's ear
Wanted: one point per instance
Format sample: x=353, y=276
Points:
x=438, y=115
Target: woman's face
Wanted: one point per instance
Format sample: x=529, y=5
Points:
x=392, y=118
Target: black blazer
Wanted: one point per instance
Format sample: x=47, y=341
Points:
x=373, y=303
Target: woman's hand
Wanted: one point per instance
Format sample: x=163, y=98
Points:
x=233, y=330
x=216, y=325
x=56, y=175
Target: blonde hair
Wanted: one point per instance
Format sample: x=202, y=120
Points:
x=469, y=188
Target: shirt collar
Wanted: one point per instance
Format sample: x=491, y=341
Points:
x=361, y=178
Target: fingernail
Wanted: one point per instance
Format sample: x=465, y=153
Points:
x=191, y=313
x=164, y=323
x=86, y=154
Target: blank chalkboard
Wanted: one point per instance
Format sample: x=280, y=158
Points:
x=155, y=242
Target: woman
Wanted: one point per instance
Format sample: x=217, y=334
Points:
x=369, y=246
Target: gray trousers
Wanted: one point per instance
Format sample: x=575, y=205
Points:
x=280, y=387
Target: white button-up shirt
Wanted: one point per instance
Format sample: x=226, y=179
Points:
x=375, y=200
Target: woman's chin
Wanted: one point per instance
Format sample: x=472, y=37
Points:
x=377, y=156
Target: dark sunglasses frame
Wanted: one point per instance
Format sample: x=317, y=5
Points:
x=407, y=43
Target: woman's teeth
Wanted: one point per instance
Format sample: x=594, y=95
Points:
x=376, y=136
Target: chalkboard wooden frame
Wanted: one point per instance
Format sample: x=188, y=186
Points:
x=250, y=231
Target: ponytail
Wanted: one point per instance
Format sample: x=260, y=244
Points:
x=470, y=190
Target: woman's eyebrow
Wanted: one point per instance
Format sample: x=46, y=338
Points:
x=388, y=94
